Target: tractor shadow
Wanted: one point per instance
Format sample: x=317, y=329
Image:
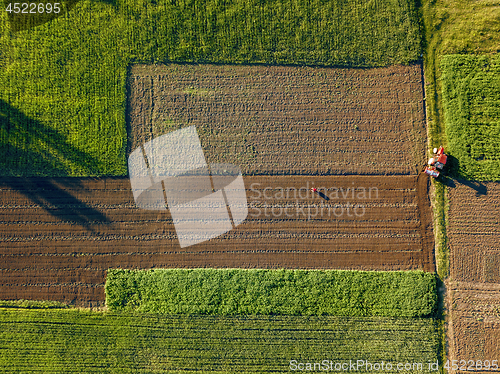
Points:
x=29, y=147
x=453, y=178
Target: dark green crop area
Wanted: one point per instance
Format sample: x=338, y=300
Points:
x=63, y=83
x=272, y=292
x=74, y=341
x=471, y=102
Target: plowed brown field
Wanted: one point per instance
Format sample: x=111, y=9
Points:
x=59, y=236
x=474, y=328
x=474, y=298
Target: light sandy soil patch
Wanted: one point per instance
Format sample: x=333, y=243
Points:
x=282, y=120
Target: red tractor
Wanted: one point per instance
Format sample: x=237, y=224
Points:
x=437, y=163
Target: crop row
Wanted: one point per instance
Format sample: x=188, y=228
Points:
x=272, y=292
x=77, y=341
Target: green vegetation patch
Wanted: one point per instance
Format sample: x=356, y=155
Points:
x=454, y=27
x=32, y=304
x=63, y=83
x=78, y=341
x=471, y=102
x=272, y=292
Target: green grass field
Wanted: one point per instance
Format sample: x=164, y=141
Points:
x=471, y=102
x=63, y=83
x=267, y=292
x=454, y=27
x=74, y=341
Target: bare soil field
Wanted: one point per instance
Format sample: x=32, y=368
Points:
x=474, y=232
x=59, y=236
x=474, y=290
x=282, y=120
x=474, y=328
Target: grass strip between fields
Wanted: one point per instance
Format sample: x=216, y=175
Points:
x=272, y=292
x=81, y=341
x=32, y=304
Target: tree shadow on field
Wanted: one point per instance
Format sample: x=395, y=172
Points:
x=109, y=2
x=27, y=148
x=453, y=178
